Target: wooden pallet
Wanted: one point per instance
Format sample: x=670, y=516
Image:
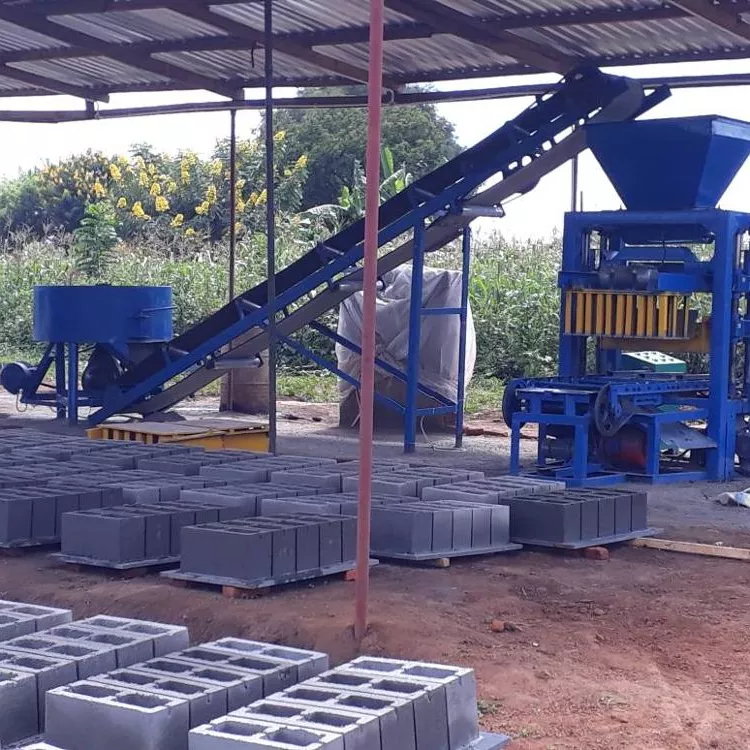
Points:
x=21, y=549
x=136, y=569
x=233, y=588
x=602, y=541
x=443, y=560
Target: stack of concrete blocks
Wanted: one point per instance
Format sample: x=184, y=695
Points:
x=20, y=618
x=493, y=490
x=248, y=496
x=191, y=464
x=411, y=482
x=368, y=704
x=35, y=664
x=265, y=551
x=579, y=517
x=136, y=535
x=153, y=706
x=425, y=530
x=344, y=504
x=260, y=469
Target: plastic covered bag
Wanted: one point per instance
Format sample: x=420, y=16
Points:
x=438, y=361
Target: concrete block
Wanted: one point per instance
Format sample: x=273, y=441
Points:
x=242, y=686
x=639, y=511
x=15, y=519
x=359, y=731
x=129, y=648
x=110, y=535
x=309, y=663
x=234, y=733
x=221, y=550
x=48, y=672
x=88, y=715
x=205, y=701
x=89, y=658
x=166, y=638
x=389, y=483
x=276, y=673
x=19, y=715
x=323, y=479
x=14, y=624
x=623, y=513
x=427, y=698
x=460, y=697
x=44, y=617
x=395, y=715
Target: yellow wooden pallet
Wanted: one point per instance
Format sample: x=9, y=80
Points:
x=211, y=434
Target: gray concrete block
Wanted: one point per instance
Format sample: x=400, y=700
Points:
x=205, y=701
x=242, y=686
x=639, y=511
x=14, y=624
x=276, y=673
x=89, y=658
x=427, y=698
x=395, y=715
x=309, y=663
x=110, y=535
x=390, y=483
x=460, y=691
x=166, y=638
x=48, y=672
x=326, y=480
x=623, y=514
x=359, y=731
x=233, y=733
x=15, y=519
x=19, y=715
x=88, y=715
x=129, y=648
x=44, y=617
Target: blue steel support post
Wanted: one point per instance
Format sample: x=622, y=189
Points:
x=72, y=383
x=60, y=380
x=415, y=336
x=461, y=388
x=720, y=413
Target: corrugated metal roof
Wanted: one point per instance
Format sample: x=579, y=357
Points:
x=130, y=45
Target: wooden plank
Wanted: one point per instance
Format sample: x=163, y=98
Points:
x=694, y=548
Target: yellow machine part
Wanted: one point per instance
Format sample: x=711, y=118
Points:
x=626, y=315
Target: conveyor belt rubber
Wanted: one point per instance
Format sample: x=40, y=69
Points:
x=521, y=152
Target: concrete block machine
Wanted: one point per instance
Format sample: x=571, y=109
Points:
x=670, y=274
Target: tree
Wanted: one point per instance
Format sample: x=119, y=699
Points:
x=334, y=141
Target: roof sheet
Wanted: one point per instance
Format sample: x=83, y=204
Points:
x=97, y=47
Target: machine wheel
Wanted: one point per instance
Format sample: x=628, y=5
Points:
x=606, y=422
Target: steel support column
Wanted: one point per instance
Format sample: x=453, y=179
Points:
x=461, y=387
x=232, y=230
x=370, y=282
x=270, y=229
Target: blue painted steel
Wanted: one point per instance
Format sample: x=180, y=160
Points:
x=72, y=383
x=464, y=313
x=60, y=381
x=439, y=311
x=99, y=314
x=672, y=164
x=415, y=340
x=568, y=402
x=433, y=197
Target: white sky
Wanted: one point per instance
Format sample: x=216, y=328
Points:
x=535, y=214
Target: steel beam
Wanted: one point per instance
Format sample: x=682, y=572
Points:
x=717, y=15
x=447, y=20
x=57, y=32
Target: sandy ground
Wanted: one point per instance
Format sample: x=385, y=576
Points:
x=647, y=650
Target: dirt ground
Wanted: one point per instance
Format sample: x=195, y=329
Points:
x=647, y=650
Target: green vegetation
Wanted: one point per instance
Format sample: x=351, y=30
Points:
x=150, y=218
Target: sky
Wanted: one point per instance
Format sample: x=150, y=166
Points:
x=536, y=214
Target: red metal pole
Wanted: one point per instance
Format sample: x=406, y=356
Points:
x=367, y=371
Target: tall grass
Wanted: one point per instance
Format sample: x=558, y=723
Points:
x=513, y=292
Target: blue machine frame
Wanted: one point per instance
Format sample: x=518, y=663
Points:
x=651, y=402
